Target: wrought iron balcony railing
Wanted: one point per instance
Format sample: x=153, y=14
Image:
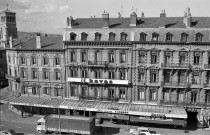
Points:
x=174, y=83
x=97, y=63
x=175, y=65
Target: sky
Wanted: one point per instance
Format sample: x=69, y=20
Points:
x=49, y=16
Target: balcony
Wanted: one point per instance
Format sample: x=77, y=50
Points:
x=177, y=103
x=207, y=66
x=97, y=63
x=14, y=78
x=81, y=97
x=176, y=65
x=176, y=84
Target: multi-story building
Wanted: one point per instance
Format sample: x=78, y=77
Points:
x=3, y=68
x=130, y=69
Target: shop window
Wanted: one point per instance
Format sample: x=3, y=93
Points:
x=57, y=60
x=84, y=56
x=84, y=36
x=72, y=56
x=141, y=77
x=193, y=97
x=73, y=90
x=97, y=36
x=111, y=36
x=122, y=75
x=111, y=57
x=110, y=93
x=57, y=91
x=153, y=95
x=34, y=74
x=198, y=37
x=122, y=57
x=33, y=60
x=122, y=94
x=184, y=37
x=169, y=37
x=111, y=75
x=123, y=36
x=34, y=90
x=155, y=37
x=45, y=60
x=45, y=74
x=84, y=91
x=46, y=90
x=143, y=37
x=97, y=92
x=73, y=36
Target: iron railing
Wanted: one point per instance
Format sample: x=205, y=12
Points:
x=175, y=65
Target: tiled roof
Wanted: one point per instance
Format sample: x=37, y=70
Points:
x=46, y=43
x=148, y=22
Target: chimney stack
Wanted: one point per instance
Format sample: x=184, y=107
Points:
x=10, y=42
x=133, y=19
x=69, y=22
x=187, y=18
x=105, y=19
x=38, y=41
x=163, y=14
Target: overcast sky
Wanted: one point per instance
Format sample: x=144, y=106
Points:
x=49, y=16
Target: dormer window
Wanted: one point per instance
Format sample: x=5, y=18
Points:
x=84, y=36
x=73, y=36
x=123, y=36
x=184, y=37
x=169, y=37
x=143, y=37
x=155, y=36
x=198, y=37
x=97, y=36
x=111, y=36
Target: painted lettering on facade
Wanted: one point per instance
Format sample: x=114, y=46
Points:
x=98, y=81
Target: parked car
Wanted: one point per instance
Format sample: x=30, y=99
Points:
x=8, y=132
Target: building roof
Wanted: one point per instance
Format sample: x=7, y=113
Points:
x=46, y=43
x=148, y=22
x=7, y=11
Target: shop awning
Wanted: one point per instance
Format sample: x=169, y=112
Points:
x=149, y=110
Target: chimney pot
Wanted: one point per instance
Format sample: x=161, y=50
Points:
x=38, y=41
x=187, y=18
x=133, y=19
x=105, y=19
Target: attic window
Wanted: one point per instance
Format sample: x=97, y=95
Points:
x=142, y=36
x=184, y=37
x=84, y=36
x=198, y=37
x=123, y=36
x=111, y=36
x=97, y=36
x=73, y=36
x=169, y=37
x=155, y=36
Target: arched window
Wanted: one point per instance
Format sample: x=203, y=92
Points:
x=73, y=36
x=33, y=60
x=112, y=36
x=169, y=37
x=57, y=60
x=198, y=37
x=143, y=37
x=184, y=37
x=97, y=36
x=155, y=36
x=84, y=36
x=45, y=60
x=123, y=36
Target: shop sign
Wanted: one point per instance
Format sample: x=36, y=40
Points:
x=79, y=108
x=100, y=81
x=113, y=111
x=154, y=115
